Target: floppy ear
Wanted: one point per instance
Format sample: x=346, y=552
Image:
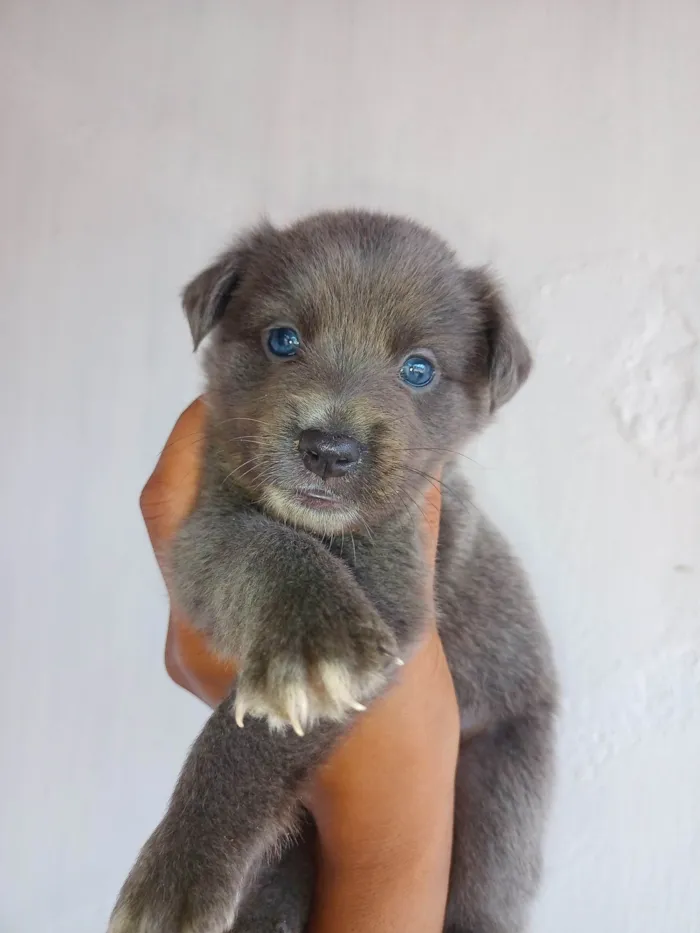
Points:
x=508, y=358
x=208, y=295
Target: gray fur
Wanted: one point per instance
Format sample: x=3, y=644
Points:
x=316, y=604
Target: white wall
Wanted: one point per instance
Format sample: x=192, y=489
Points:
x=562, y=142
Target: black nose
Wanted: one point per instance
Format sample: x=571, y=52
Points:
x=328, y=454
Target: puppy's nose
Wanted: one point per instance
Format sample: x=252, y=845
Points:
x=328, y=454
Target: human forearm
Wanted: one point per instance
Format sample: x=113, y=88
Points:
x=383, y=806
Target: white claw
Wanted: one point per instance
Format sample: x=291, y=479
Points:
x=298, y=708
x=296, y=724
x=399, y=662
x=303, y=709
x=240, y=712
x=357, y=706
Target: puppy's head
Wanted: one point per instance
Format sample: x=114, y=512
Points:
x=351, y=354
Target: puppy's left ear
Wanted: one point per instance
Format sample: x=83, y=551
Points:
x=507, y=357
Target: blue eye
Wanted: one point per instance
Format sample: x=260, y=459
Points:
x=417, y=372
x=283, y=341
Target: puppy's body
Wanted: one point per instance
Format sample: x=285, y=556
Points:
x=301, y=560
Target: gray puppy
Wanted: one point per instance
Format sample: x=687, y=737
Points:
x=351, y=357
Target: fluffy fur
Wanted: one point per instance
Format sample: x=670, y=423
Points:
x=318, y=603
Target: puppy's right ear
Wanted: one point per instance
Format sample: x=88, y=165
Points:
x=208, y=295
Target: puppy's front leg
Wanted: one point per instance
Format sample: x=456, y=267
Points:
x=236, y=796
x=309, y=642
x=311, y=646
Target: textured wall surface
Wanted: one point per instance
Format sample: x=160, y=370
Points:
x=560, y=141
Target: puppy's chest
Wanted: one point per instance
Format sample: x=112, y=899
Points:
x=390, y=569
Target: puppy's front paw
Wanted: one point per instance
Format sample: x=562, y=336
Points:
x=320, y=673
x=169, y=893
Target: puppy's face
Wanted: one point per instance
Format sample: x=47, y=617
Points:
x=351, y=355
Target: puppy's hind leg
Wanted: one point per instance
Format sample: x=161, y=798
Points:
x=502, y=790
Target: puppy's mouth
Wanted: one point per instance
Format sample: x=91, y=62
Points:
x=317, y=498
x=312, y=507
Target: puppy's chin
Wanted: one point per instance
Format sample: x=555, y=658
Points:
x=324, y=518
